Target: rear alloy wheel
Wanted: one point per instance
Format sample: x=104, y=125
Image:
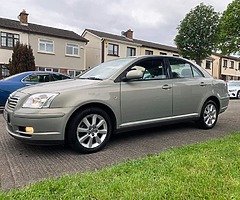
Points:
x=209, y=115
x=89, y=131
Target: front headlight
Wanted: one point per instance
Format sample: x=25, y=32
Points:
x=40, y=100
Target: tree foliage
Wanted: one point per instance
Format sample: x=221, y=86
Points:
x=22, y=59
x=197, y=33
x=229, y=29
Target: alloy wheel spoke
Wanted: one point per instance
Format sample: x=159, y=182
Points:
x=82, y=130
x=83, y=138
x=100, y=123
x=103, y=131
x=94, y=119
x=98, y=140
x=205, y=117
x=90, y=142
x=86, y=122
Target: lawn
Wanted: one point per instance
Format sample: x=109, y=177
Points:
x=209, y=170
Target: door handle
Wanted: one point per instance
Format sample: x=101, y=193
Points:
x=166, y=87
x=203, y=84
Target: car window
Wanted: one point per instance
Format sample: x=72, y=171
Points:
x=152, y=69
x=31, y=78
x=196, y=72
x=57, y=77
x=183, y=69
x=233, y=84
x=63, y=77
x=38, y=78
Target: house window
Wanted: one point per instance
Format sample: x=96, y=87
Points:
x=163, y=53
x=9, y=40
x=71, y=73
x=239, y=66
x=208, y=64
x=224, y=63
x=113, y=49
x=131, y=51
x=48, y=69
x=4, y=72
x=72, y=49
x=232, y=64
x=45, y=46
x=79, y=72
x=55, y=70
x=148, y=52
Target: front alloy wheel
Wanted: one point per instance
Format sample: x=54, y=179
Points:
x=92, y=131
x=209, y=115
x=89, y=130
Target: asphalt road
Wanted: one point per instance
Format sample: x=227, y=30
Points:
x=21, y=164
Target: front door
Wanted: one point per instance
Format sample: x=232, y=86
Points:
x=147, y=99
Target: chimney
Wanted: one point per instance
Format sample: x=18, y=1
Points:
x=128, y=34
x=23, y=17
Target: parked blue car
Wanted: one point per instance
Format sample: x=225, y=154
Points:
x=12, y=83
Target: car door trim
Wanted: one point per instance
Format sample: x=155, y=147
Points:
x=149, y=121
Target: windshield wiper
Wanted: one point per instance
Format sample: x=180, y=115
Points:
x=92, y=78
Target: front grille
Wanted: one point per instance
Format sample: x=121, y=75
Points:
x=12, y=102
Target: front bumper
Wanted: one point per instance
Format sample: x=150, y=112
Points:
x=48, y=124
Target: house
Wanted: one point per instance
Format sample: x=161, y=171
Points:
x=105, y=46
x=54, y=49
x=228, y=66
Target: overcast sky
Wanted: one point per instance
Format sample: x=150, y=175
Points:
x=151, y=20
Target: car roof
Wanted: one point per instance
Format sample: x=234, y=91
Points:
x=20, y=76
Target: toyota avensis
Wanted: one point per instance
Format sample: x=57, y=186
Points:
x=114, y=96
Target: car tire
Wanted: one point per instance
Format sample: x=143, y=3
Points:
x=238, y=95
x=209, y=115
x=89, y=130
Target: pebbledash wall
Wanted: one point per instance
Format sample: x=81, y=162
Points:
x=104, y=46
x=54, y=49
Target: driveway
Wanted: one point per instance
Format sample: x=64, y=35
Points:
x=21, y=164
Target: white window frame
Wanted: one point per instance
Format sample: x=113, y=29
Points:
x=69, y=44
x=45, y=51
x=132, y=49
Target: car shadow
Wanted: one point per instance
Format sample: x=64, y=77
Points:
x=26, y=150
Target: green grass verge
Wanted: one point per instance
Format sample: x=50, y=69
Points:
x=208, y=170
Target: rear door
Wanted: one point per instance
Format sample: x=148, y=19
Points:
x=189, y=87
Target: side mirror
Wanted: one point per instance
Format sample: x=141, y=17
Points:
x=134, y=74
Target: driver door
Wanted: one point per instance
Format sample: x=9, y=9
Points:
x=148, y=99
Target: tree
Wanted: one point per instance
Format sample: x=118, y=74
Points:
x=22, y=59
x=197, y=33
x=229, y=29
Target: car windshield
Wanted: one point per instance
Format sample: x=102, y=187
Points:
x=11, y=77
x=106, y=69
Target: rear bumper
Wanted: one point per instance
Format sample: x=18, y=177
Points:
x=224, y=104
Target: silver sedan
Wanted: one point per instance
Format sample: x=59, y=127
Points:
x=117, y=95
